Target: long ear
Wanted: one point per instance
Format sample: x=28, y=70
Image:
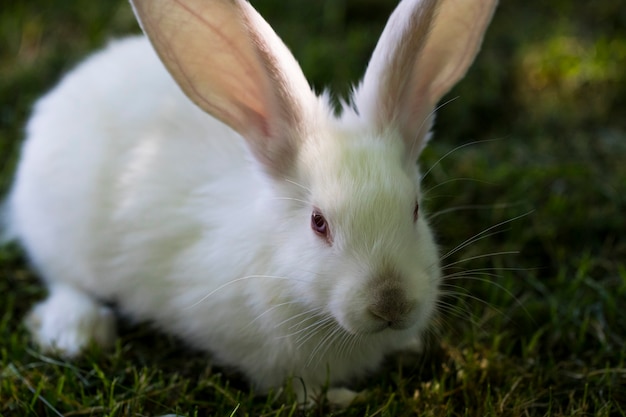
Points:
x=229, y=62
x=426, y=47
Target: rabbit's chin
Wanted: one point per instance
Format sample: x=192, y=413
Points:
x=363, y=323
x=376, y=329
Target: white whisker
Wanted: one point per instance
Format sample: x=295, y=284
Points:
x=461, y=312
x=303, y=333
x=486, y=255
x=325, y=343
x=338, y=338
x=434, y=187
x=349, y=341
x=234, y=281
x=309, y=313
x=268, y=311
x=476, y=238
x=317, y=326
x=476, y=142
x=467, y=295
x=482, y=235
x=479, y=272
x=471, y=207
x=501, y=288
x=460, y=208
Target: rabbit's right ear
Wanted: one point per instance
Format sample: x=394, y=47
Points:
x=425, y=48
x=229, y=62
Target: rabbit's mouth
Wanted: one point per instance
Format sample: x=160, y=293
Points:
x=393, y=318
x=377, y=328
x=378, y=325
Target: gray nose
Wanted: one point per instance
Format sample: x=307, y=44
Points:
x=391, y=306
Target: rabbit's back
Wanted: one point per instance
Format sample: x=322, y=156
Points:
x=115, y=140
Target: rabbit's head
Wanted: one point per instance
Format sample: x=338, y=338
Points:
x=374, y=256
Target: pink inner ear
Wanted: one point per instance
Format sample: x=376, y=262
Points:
x=390, y=92
x=425, y=48
x=230, y=63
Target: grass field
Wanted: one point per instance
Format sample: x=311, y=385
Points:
x=534, y=321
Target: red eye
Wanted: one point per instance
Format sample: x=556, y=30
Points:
x=318, y=224
x=416, y=211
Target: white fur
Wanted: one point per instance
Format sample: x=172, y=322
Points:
x=127, y=191
x=68, y=320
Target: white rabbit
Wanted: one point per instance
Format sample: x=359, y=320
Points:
x=282, y=239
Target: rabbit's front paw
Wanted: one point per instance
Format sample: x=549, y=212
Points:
x=68, y=320
x=342, y=397
x=337, y=398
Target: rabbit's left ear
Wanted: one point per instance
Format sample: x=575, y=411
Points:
x=426, y=47
x=230, y=62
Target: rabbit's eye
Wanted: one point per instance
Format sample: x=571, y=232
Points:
x=416, y=211
x=319, y=224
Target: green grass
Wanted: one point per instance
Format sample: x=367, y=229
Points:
x=537, y=332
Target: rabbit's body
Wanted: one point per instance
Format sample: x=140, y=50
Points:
x=165, y=228
x=284, y=240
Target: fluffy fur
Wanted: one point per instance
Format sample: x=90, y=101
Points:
x=128, y=191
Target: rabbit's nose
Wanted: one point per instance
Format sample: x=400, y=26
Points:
x=391, y=306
